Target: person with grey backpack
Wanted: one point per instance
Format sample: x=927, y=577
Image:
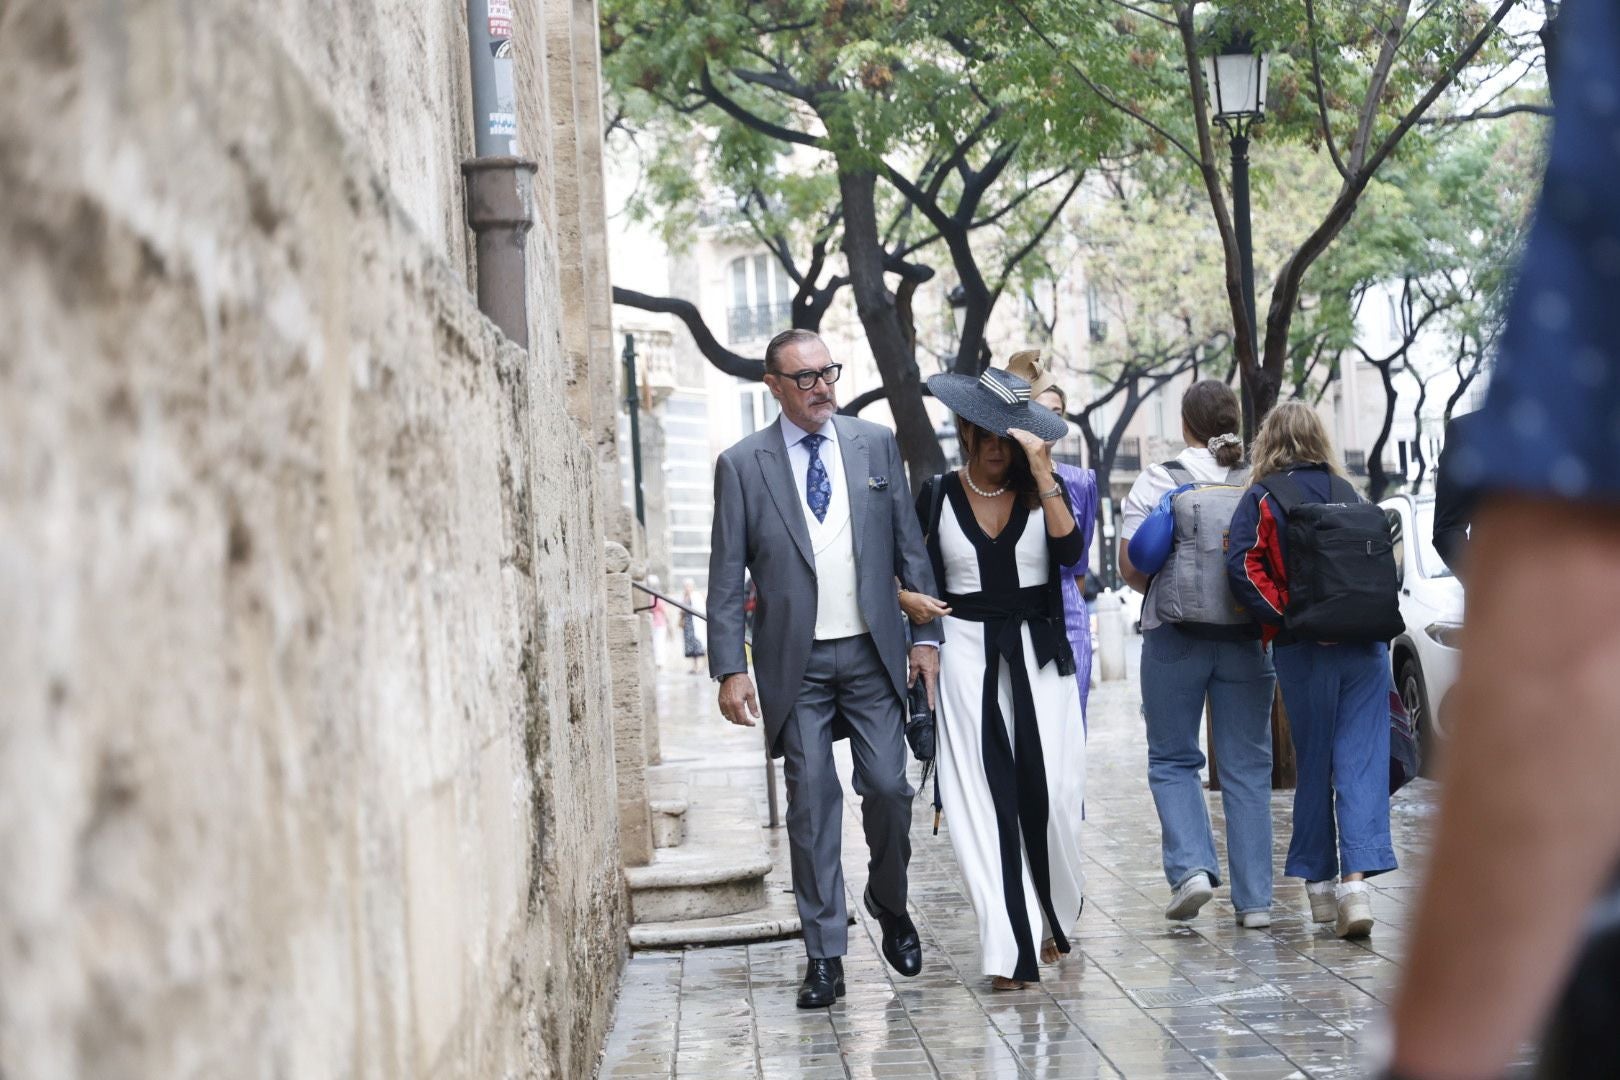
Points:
x=1199, y=645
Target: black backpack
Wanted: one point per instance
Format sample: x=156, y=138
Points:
x=1342, y=581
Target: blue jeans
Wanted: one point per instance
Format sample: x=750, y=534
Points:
x=1338, y=708
x=1178, y=672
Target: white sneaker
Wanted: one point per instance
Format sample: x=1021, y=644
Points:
x=1258, y=919
x=1324, y=907
x=1189, y=896
x=1355, y=910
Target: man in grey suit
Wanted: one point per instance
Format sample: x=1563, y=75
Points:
x=816, y=507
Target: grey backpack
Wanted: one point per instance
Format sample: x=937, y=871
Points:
x=1191, y=590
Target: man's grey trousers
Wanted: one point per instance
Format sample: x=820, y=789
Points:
x=845, y=679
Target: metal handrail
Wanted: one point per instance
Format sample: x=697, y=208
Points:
x=670, y=600
x=770, y=764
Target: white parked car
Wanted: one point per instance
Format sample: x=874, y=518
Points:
x=1424, y=658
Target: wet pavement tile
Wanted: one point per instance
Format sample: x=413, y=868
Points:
x=1138, y=997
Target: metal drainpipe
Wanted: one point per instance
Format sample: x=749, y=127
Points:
x=500, y=185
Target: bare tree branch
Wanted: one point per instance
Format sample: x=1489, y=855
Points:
x=1018, y=200
x=713, y=94
x=1321, y=93
x=1375, y=87
x=1487, y=114
x=1146, y=14
x=1036, y=237
x=717, y=354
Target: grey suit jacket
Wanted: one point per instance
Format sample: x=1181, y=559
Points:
x=759, y=524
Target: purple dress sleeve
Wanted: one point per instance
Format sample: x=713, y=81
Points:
x=1082, y=488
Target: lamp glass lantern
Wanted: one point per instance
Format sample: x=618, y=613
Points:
x=1236, y=80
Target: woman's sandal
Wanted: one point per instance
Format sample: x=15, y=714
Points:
x=1001, y=982
x=1049, y=952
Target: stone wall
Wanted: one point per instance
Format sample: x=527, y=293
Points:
x=306, y=726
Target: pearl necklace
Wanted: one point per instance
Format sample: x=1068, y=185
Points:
x=967, y=478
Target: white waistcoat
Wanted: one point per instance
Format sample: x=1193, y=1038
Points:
x=838, y=609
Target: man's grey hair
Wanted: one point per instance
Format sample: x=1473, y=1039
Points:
x=773, y=351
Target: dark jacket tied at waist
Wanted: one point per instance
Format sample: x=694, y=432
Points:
x=1005, y=613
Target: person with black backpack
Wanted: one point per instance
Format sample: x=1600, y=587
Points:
x=1198, y=646
x=1313, y=561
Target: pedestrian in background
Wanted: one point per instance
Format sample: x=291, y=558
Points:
x=1186, y=663
x=1336, y=688
x=1082, y=487
x=691, y=644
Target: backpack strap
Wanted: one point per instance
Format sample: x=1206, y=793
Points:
x=936, y=503
x=1341, y=489
x=1237, y=475
x=1285, y=489
x=935, y=486
x=1178, y=472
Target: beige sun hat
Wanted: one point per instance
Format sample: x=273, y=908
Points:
x=1026, y=364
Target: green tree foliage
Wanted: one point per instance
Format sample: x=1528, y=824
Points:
x=1351, y=79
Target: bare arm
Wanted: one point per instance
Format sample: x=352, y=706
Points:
x=1127, y=570
x=1530, y=819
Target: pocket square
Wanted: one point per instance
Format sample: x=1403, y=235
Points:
x=878, y=483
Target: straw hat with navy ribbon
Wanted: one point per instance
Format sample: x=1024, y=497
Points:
x=997, y=401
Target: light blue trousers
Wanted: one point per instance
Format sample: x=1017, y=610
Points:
x=1178, y=672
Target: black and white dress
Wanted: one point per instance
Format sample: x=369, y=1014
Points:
x=1012, y=743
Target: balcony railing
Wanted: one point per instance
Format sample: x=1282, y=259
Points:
x=1128, y=458
x=758, y=322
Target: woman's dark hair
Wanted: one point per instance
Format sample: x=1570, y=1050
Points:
x=1019, y=477
x=1210, y=409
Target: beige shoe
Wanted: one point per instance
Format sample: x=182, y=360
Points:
x=1355, y=911
x=1258, y=919
x=1324, y=907
x=1189, y=896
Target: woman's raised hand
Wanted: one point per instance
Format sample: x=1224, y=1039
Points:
x=921, y=608
x=1038, y=450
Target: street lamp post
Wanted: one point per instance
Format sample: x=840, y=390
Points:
x=1235, y=78
x=1236, y=81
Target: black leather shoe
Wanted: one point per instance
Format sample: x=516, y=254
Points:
x=823, y=983
x=901, y=948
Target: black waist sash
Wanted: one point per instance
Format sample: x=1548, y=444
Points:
x=1015, y=769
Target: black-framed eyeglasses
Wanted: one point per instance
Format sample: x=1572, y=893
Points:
x=806, y=379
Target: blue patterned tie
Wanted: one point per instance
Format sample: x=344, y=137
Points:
x=817, y=488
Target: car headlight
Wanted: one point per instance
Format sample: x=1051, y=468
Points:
x=1445, y=634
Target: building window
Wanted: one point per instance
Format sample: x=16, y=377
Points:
x=761, y=299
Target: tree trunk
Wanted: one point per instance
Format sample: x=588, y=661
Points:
x=885, y=332
x=1418, y=459
x=1377, y=479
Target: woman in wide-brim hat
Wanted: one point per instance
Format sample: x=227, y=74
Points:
x=1081, y=485
x=1011, y=738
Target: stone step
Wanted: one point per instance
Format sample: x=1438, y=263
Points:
x=719, y=870
x=668, y=796
x=774, y=920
